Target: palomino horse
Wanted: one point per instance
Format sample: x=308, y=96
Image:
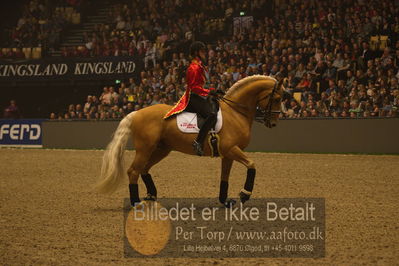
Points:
x=154, y=138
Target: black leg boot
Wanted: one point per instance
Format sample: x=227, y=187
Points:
x=134, y=194
x=245, y=193
x=224, y=187
x=151, y=189
x=199, y=142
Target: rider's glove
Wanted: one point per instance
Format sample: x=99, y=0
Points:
x=213, y=92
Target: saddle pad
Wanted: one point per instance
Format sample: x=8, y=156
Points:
x=187, y=122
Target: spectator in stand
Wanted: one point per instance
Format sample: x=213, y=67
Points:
x=89, y=103
x=114, y=96
x=12, y=111
x=150, y=55
x=106, y=97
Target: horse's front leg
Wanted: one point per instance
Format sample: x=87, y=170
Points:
x=238, y=155
x=224, y=183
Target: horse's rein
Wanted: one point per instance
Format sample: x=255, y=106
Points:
x=268, y=111
x=228, y=101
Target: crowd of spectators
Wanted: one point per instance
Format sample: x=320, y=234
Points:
x=41, y=25
x=116, y=103
x=322, y=48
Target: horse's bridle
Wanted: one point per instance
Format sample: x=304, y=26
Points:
x=267, y=112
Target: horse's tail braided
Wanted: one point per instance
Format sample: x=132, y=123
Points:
x=112, y=170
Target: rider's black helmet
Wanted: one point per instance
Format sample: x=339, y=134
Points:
x=196, y=47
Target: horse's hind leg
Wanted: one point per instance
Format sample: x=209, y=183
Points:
x=138, y=167
x=155, y=158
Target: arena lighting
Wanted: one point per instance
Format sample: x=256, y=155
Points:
x=118, y=81
x=242, y=13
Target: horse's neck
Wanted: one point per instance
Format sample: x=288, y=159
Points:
x=246, y=101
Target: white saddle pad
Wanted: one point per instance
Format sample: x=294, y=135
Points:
x=187, y=122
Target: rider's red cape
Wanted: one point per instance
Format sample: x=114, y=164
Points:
x=196, y=77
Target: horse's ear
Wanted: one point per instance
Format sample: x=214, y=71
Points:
x=280, y=84
x=277, y=85
x=279, y=77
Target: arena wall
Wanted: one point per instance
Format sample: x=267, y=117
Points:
x=317, y=136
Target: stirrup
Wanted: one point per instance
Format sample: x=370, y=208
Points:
x=198, y=148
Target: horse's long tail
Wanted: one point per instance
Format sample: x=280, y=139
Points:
x=112, y=170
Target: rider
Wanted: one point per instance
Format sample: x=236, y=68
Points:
x=196, y=98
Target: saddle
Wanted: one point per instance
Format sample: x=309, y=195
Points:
x=188, y=122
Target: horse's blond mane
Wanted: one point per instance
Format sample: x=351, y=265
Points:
x=242, y=82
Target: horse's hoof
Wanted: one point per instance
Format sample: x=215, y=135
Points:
x=244, y=197
x=134, y=202
x=150, y=197
x=229, y=203
x=137, y=204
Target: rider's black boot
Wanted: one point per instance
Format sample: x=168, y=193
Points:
x=198, y=143
x=198, y=148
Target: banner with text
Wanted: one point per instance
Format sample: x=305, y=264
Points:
x=21, y=133
x=69, y=68
x=201, y=227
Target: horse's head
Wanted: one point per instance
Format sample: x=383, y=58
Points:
x=268, y=97
x=269, y=101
